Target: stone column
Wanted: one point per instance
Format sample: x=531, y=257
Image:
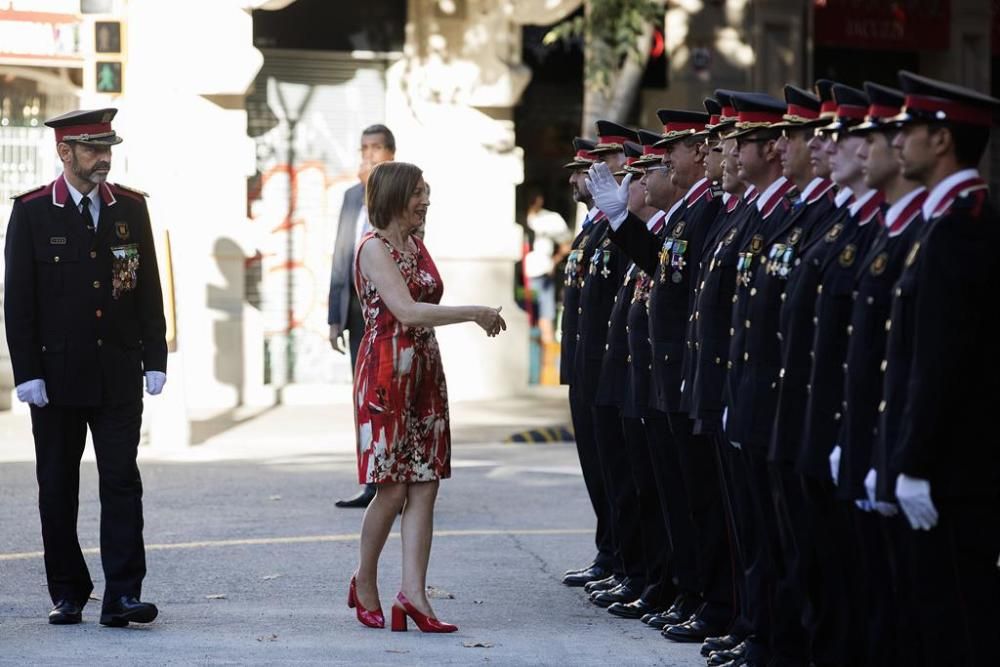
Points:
x=450, y=102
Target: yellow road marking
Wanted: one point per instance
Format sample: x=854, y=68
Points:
x=311, y=539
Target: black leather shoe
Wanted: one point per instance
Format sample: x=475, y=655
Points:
x=127, y=610
x=717, y=658
x=651, y=616
x=585, y=576
x=66, y=612
x=684, y=605
x=723, y=643
x=605, y=584
x=635, y=609
x=362, y=499
x=625, y=593
x=696, y=629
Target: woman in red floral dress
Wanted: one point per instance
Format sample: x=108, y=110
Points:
x=400, y=397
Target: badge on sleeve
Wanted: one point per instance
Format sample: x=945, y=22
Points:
x=834, y=232
x=678, y=229
x=847, y=255
x=121, y=230
x=879, y=264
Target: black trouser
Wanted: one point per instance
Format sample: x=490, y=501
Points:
x=590, y=463
x=831, y=571
x=956, y=582
x=877, y=613
x=622, y=497
x=738, y=516
x=652, y=526
x=905, y=636
x=699, y=468
x=60, y=434
x=673, y=499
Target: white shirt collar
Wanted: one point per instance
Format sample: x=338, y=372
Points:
x=937, y=195
x=897, y=209
x=750, y=193
x=695, y=187
x=771, y=189
x=813, y=184
x=593, y=213
x=654, y=219
x=726, y=196
x=94, y=195
x=677, y=205
x=858, y=203
x=843, y=195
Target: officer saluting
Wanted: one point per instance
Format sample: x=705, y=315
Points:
x=84, y=316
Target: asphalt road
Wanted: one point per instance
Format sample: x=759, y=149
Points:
x=249, y=561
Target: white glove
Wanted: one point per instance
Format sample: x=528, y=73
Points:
x=835, y=467
x=155, y=381
x=609, y=196
x=885, y=509
x=33, y=393
x=914, y=497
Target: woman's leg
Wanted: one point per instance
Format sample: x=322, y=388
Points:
x=417, y=530
x=375, y=529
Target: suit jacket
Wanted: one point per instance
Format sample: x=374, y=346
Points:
x=342, y=272
x=574, y=272
x=612, y=385
x=83, y=310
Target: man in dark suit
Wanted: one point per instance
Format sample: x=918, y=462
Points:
x=85, y=323
x=377, y=145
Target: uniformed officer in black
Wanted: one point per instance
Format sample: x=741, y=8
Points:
x=604, y=271
x=625, y=384
x=948, y=465
x=883, y=614
x=580, y=411
x=85, y=323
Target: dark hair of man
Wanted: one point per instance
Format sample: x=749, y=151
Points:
x=970, y=142
x=388, y=138
x=390, y=186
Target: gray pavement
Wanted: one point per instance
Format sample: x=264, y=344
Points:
x=249, y=561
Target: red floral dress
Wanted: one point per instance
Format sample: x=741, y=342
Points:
x=400, y=397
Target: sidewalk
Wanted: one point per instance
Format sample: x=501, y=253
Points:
x=261, y=433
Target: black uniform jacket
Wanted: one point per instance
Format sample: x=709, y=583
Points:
x=875, y=277
x=671, y=263
x=83, y=310
x=832, y=317
x=613, y=384
x=795, y=333
x=757, y=394
x=602, y=277
x=947, y=298
x=574, y=273
x=768, y=216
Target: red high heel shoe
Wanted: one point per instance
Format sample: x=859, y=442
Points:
x=424, y=622
x=372, y=618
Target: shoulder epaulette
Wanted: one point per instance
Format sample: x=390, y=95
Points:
x=132, y=190
x=27, y=192
x=971, y=200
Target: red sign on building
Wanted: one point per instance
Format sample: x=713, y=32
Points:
x=897, y=25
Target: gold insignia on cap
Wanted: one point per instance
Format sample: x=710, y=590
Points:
x=847, y=255
x=106, y=118
x=879, y=264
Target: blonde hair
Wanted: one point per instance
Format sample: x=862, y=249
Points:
x=390, y=186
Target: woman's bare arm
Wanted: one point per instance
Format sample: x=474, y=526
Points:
x=379, y=268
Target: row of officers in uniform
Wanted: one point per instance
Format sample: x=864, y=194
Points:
x=778, y=340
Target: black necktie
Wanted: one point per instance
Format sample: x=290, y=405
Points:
x=88, y=219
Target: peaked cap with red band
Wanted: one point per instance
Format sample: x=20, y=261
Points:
x=680, y=124
x=714, y=110
x=611, y=137
x=651, y=154
x=852, y=107
x=824, y=91
x=884, y=104
x=757, y=111
x=802, y=109
x=728, y=116
x=930, y=100
x=583, y=157
x=633, y=152
x=92, y=127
